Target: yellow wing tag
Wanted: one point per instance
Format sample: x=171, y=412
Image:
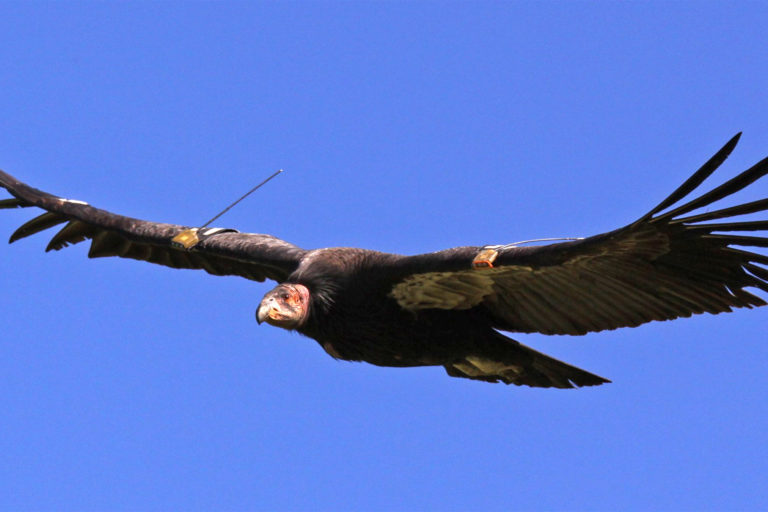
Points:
x=485, y=259
x=187, y=239
x=190, y=237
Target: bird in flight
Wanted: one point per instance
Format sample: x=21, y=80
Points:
x=446, y=308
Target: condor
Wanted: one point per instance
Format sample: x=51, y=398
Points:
x=446, y=308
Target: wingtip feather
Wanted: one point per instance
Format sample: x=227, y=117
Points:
x=692, y=183
x=14, y=202
x=39, y=223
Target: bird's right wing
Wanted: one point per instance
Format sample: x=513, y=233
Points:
x=217, y=251
x=668, y=264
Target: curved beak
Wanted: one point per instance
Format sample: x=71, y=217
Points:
x=263, y=312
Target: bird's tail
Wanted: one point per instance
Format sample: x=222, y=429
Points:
x=511, y=362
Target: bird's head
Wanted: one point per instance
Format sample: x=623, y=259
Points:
x=285, y=306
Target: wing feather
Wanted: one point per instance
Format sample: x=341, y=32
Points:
x=13, y=202
x=692, y=183
x=253, y=256
x=663, y=266
x=74, y=232
x=36, y=225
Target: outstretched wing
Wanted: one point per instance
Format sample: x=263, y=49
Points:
x=221, y=252
x=668, y=264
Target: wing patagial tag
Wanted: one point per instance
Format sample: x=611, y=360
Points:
x=485, y=259
x=190, y=237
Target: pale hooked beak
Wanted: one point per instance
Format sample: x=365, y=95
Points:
x=263, y=312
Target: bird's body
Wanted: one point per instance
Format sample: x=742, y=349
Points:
x=446, y=308
x=354, y=317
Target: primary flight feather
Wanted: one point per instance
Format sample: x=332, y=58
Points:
x=445, y=308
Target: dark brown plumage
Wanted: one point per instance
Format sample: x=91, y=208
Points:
x=444, y=308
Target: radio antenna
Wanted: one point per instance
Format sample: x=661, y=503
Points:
x=254, y=189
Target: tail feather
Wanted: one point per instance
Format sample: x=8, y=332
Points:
x=514, y=363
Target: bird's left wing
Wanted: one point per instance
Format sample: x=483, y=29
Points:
x=217, y=251
x=665, y=265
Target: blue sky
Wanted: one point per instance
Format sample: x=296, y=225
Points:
x=403, y=127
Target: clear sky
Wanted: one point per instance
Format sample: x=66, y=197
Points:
x=403, y=127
